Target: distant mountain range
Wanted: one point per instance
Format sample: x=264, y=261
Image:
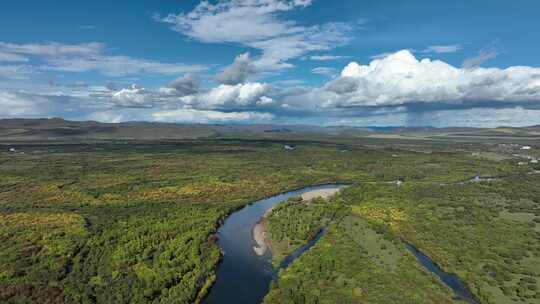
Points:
x=57, y=129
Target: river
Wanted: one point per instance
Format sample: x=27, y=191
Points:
x=243, y=276
x=451, y=280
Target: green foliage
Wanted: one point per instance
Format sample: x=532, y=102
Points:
x=338, y=270
x=485, y=232
x=294, y=222
x=133, y=223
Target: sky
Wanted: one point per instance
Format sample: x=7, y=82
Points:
x=349, y=62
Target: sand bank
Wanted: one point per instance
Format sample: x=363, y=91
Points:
x=260, y=231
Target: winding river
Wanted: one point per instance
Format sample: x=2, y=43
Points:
x=243, y=276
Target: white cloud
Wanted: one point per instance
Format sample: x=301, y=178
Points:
x=17, y=72
x=483, y=56
x=53, y=49
x=277, y=51
x=232, y=96
x=133, y=97
x=397, y=88
x=265, y=101
x=89, y=57
x=11, y=57
x=224, y=97
x=198, y=116
x=442, y=49
x=117, y=66
x=14, y=105
x=326, y=57
x=291, y=82
x=132, y=107
x=381, y=55
x=176, y=116
x=401, y=79
x=259, y=24
x=324, y=71
x=236, y=21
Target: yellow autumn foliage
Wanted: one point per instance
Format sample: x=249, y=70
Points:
x=381, y=215
x=189, y=191
x=32, y=219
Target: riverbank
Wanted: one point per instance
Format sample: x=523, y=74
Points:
x=320, y=193
x=260, y=230
x=260, y=234
x=250, y=282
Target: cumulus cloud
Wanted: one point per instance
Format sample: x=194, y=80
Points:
x=88, y=57
x=185, y=85
x=238, y=71
x=400, y=79
x=135, y=96
x=234, y=96
x=129, y=104
x=396, y=88
x=198, y=116
x=184, y=92
x=260, y=25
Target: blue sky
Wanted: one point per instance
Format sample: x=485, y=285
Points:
x=439, y=63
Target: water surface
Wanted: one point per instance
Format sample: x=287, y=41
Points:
x=449, y=279
x=293, y=256
x=243, y=276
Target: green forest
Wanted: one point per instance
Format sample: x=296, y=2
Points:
x=134, y=222
x=486, y=233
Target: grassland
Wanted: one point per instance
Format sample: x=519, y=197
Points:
x=133, y=222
